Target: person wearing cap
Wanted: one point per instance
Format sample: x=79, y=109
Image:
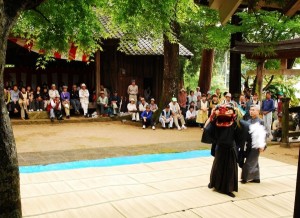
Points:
x=228, y=100
x=133, y=90
x=132, y=109
x=197, y=92
x=203, y=109
x=147, y=119
x=142, y=105
x=267, y=109
x=53, y=92
x=65, y=100
x=277, y=128
x=84, y=99
x=153, y=106
x=115, y=101
x=74, y=98
x=102, y=104
x=177, y=114
x=250, y=169
x=182, y=100
x=166, y=117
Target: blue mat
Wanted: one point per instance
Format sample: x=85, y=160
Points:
x=115, y=161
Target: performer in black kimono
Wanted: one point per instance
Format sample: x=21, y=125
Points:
x=224, y=133
x=250, y=169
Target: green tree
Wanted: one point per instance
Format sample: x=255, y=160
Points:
x=53, y=25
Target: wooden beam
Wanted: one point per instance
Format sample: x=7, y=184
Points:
x=275, y=72
x=227, y=9
x=292, y=7
x=215, y=4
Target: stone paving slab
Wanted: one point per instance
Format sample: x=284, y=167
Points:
x=169, y=189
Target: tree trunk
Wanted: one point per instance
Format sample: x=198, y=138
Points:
x=206, y=70
x=171, y=68
x=259, y=76
x=10, y=200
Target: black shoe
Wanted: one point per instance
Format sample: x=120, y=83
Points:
x=52, y=120
x=243, y=181
x=255, y=181
x=274, y=140
x=68, y=117
x=230, y=194
x=209, y=186
x=163, y=127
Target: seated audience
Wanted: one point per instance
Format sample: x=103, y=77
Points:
x=84, y=99
x=53, y=92
x=142, y=105
x=191, y=116
x=65, y=100
x=55, y=109
x=45, y=97
x=123, y=104
x=166, y=117
x=102, y=104
x=202, y=114
x=74, y=99
x=39, y=104
x=147, y=118
x=177, y=115
x=277, y=128
x=7, y=99
x=153, y=106
x=14, y=96
x=115, y=101
x=23, y=102
x=131, y=107
x=213, y=103
x=31, y=100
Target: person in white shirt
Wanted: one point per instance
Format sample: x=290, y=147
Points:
x=177, y=115
x=55, y=109
x=192, y=97
x=84, y=99
x=142, y=105
x=53, y=93
x=191, y=116
x=132, y=109
x=102, y=103
x=153, y=106
x=197, y=92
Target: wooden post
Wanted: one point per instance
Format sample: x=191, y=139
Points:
x=285, y=122
x=259, y=75
x=297, y=197
x=97, y=73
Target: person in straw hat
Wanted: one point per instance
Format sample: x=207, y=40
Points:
x=132, y=109
x=84, y=99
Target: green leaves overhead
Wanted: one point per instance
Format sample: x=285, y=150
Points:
x=268, y=26
x=55, y=24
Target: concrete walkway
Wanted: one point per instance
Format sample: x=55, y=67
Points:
x=163, y=189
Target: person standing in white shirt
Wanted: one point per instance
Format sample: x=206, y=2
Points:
x=84, y=99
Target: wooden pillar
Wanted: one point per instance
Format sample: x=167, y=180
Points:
x=259, y=78
x=235, y=73
x=97, y=73
x=285, y=122
x=297, y=197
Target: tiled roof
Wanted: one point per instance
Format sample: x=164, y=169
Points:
x=143, y=46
